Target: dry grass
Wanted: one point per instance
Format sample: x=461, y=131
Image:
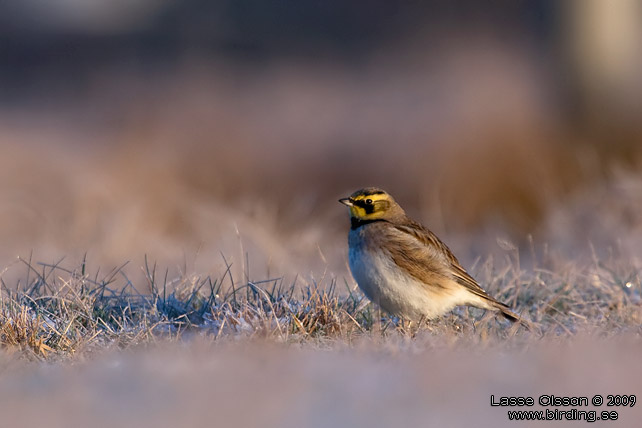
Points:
x=198, y=349
x=57, y=312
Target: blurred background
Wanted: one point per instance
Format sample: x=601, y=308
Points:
x=185, y=129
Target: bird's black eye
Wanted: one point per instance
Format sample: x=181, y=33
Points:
x=369, y=201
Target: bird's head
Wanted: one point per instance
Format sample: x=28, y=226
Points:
x=372, y=203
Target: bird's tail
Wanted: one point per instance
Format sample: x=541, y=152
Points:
x=510, y=315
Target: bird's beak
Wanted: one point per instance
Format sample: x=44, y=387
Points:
x=346, y=201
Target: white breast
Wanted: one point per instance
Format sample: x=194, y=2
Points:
x=396, y=292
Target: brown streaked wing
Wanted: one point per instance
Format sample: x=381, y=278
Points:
x=433, y=244
x=420, y=261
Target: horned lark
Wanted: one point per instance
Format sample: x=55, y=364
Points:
x=403, y=267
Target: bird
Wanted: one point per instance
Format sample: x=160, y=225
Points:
x=403, y=267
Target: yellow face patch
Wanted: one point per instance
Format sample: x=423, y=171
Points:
x=366, y=205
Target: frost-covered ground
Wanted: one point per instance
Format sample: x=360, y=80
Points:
x=392, y=383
